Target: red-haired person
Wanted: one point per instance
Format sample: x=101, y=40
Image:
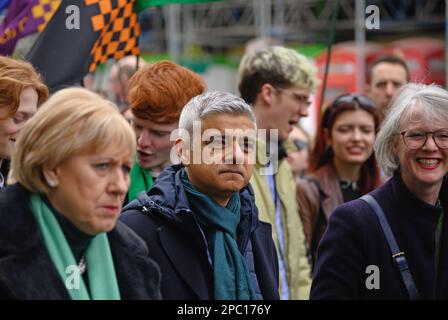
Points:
x=22, y=89
x=157, y=93
x=342, y=163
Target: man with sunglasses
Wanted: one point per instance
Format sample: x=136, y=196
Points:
x=277, y=83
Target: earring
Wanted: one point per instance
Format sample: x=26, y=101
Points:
x=52, y=183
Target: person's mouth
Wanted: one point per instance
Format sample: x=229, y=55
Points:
x=232, y=171
x=429, y=163
x=356, y=150
x=144, y=155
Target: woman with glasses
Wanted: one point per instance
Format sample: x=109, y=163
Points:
x=342, y=166
x=391, y=243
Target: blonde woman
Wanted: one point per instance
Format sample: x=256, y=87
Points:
x=58, y=219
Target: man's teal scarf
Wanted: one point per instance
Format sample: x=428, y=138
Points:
x=141, y=180
x=100, y=266
x=231, y=276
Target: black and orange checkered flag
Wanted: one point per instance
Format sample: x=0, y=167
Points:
x=119, y=29
x=65, y=52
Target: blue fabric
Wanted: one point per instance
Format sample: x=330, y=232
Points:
x=231, y=277
x=284, y=294
x=4, y=4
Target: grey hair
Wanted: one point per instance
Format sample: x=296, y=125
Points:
x=414, y=103
x=212, y=103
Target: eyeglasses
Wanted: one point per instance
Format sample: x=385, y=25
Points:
x=415, y=139
x=301, y=99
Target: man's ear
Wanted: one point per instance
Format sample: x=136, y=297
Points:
x=267, y=93
x=182, y=151
x=51, y=176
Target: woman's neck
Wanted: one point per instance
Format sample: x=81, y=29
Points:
x=426, y=193
x=346, y=171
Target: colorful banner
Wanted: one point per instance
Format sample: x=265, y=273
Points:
x=108, y=29
x=24, y=17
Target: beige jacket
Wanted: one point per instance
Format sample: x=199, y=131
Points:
x=298, y=270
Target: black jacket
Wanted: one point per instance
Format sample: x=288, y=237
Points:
x=164, y=220
x=354, y=240
x=27, y=271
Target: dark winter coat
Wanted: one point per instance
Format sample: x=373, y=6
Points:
x=354, y=240
x=164, y=220
x=27, y=271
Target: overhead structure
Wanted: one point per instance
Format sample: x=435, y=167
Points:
x=231, y=23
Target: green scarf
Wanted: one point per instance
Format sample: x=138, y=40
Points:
x=100, y=266
x=141, y=180
x=231, y=277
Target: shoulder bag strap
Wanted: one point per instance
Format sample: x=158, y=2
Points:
x=398, y=256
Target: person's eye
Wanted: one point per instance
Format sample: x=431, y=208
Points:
x=367, y=130
x=215, y=142
x=344, y=129
x=102, y=166
x=18, y=119
x=415, y=135
x=442, y=135
x=247, y=144
x=160, y=134
x=126, y=168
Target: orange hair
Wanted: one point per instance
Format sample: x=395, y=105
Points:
x=158, y=92
x=15, y=76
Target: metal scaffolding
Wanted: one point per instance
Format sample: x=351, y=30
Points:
x=231, y=23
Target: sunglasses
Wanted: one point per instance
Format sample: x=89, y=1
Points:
x=347, y=99
x=362, y=100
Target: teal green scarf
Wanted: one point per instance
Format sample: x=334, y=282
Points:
x=141, y=180
x=100, y=266
x=231, y=277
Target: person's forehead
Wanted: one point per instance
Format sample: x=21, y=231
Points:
x=388, y=71
x=227, y=121
x=149, y=124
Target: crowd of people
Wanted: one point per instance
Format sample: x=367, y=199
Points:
x=174, y=192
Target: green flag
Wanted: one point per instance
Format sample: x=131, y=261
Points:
x=142, y=4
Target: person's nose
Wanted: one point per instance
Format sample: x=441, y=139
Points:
x=357, y=134
x=144, y=140
x=119, y=182
x=430, y=144
x=238, y=153
x=304, y=110
x=390, y=89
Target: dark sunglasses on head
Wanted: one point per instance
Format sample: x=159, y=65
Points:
x=362, y=100
x=347, y=99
